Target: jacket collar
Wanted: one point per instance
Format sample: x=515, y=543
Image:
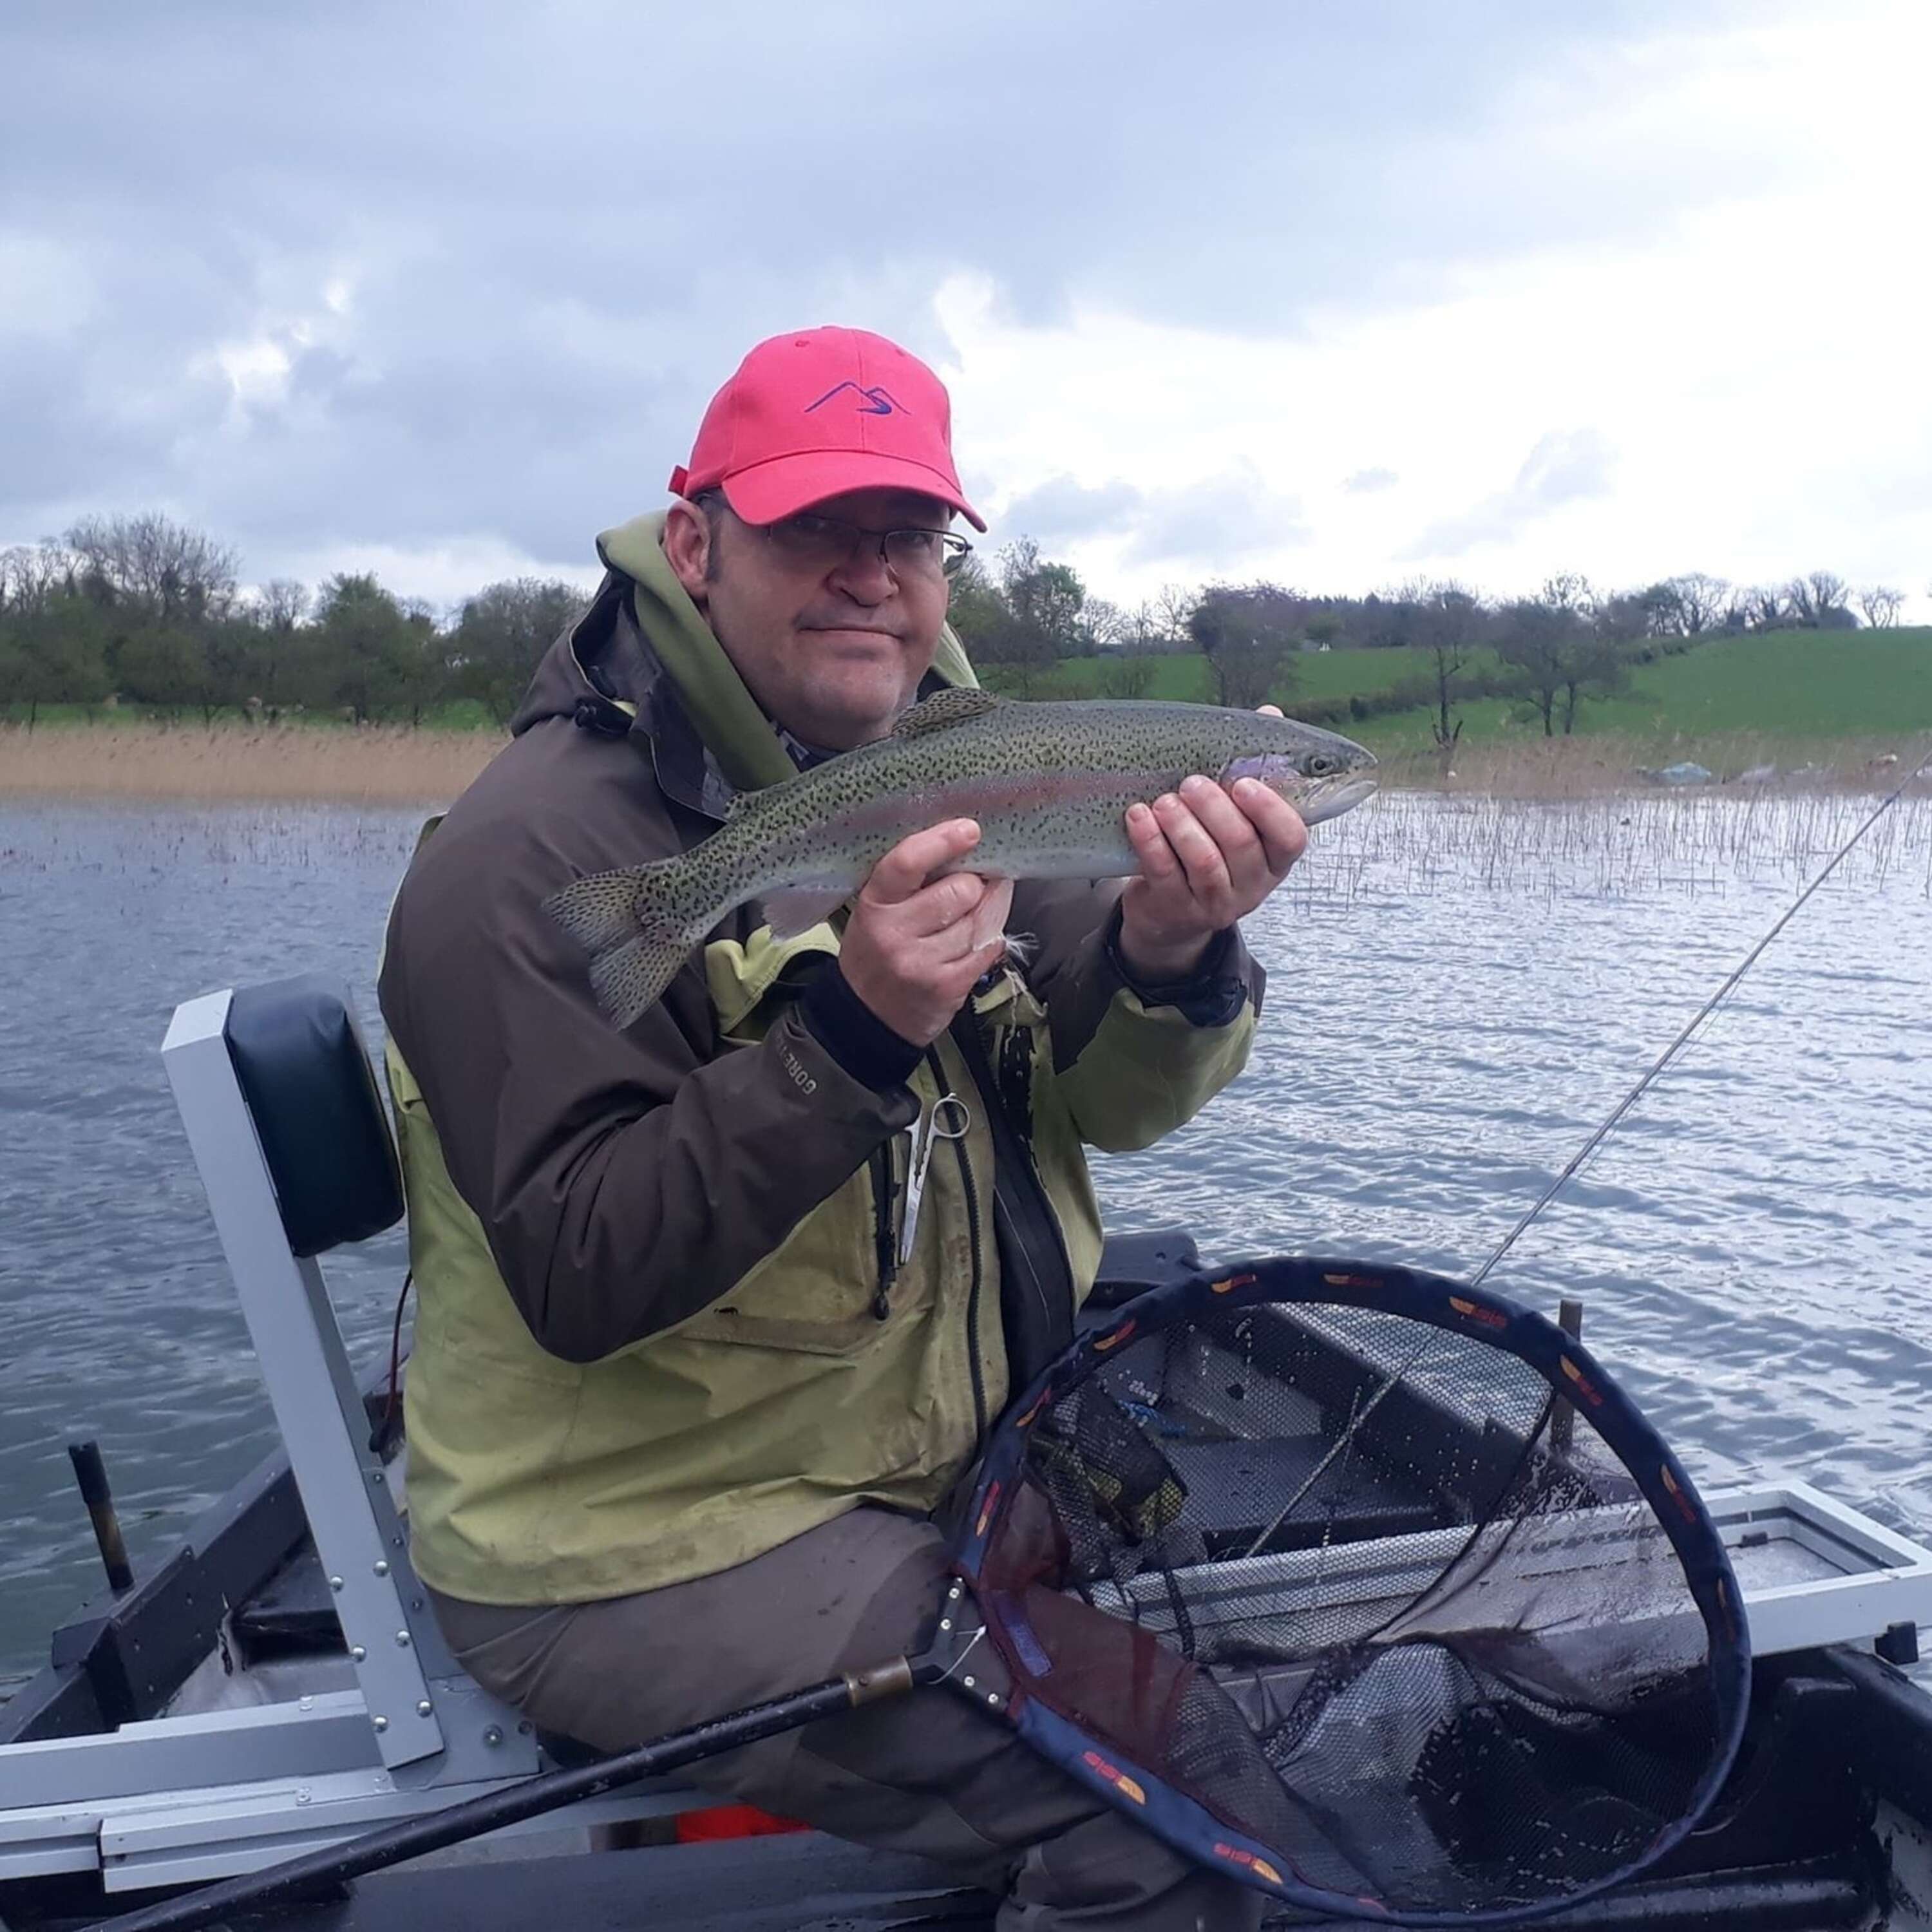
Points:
x=642, y=662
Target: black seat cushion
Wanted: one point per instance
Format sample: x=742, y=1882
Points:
x=304, y=1070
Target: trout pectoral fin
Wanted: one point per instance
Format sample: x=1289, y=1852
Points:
x=792, y=910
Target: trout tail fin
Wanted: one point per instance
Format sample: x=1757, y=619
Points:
x=635, y=925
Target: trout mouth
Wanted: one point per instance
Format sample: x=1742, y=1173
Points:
x=1329, y=798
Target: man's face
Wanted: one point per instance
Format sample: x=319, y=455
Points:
x=834, y=653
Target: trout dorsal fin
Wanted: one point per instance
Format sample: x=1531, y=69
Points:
x=945, y=708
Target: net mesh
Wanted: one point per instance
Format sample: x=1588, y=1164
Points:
x=1368, y=1592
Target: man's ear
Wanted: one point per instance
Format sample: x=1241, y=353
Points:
x=687, y=548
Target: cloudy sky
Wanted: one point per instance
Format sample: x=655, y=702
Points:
x=1337, y=292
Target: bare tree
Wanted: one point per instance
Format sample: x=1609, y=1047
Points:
x=1104, y=625
x=1560, y=653
x=1762, y=607
x=1881, y=606
x=1699, y=601
x=1173, y=610
x=1570, y=590
x=1821, y=601
x=1247, y=632
x=1675, y=606
x=30, y=576
x=1630, y=615
x=1139, y=628
x=282, y=604
x=1445, y=624
x=166, y=571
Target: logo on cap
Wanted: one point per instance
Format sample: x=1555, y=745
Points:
x=872, y=402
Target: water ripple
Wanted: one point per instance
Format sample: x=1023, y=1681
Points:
x=1459, y=991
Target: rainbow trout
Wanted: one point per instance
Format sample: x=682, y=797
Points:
x=1048, y=784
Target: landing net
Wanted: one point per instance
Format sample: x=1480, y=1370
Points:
x=1371, y=1589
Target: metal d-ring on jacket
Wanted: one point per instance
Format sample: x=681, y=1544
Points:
x=662, y=1326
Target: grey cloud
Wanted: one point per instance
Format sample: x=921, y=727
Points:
x=1214, y=524
x=1366, y=482
x=564, y=226
x=1564, y=466
x=1062, y=511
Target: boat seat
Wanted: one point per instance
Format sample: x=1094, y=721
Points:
x=292, y=1053
x=312, y=1094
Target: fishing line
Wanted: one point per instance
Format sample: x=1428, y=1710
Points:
x=1596, y=1140
x=1697, y=1019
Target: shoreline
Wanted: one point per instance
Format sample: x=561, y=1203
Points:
x=396, y=765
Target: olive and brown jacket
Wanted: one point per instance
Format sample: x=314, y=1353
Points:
x=662, y=1327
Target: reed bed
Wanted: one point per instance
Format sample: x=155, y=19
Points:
x=375, y=764
x=1712, y=840
x=380, y=764
x=311, y=799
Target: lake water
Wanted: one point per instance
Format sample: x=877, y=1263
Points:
x=1459, y=991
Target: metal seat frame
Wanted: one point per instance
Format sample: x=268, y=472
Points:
x=178, y=1799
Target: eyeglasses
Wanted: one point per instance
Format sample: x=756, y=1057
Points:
x=828, y=543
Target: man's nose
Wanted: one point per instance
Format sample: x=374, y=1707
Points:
x=864, y=576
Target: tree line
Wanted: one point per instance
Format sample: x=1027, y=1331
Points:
x=1023, y=615
x=146, y=612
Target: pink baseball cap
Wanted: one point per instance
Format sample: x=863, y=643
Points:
x=811, y=415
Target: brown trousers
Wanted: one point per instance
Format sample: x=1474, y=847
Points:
x=923, y=1773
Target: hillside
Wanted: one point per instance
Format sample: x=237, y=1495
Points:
x=1796, y=685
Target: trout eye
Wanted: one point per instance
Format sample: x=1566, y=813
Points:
x=1321, y=764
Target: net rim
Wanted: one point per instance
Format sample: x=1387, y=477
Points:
x=1565, y=1366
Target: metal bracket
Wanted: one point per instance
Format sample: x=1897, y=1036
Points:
x=344, y=1485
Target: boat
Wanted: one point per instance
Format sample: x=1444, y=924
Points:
x=277, y=1686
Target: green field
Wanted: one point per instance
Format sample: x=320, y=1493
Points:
x=1790, y=685
x=1793, y=685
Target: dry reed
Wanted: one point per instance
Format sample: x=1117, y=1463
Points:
x=369, y=765
x=1415, y=843
x=390, y=764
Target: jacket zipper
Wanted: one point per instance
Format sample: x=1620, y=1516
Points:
x=884, y=1193
x=1033, y=1228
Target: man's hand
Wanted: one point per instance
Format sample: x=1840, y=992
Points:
x=915, y=945
x=1208, y=858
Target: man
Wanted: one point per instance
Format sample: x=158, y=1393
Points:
x=692, y=1375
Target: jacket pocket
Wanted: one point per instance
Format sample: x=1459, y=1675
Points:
x=815, y=1293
